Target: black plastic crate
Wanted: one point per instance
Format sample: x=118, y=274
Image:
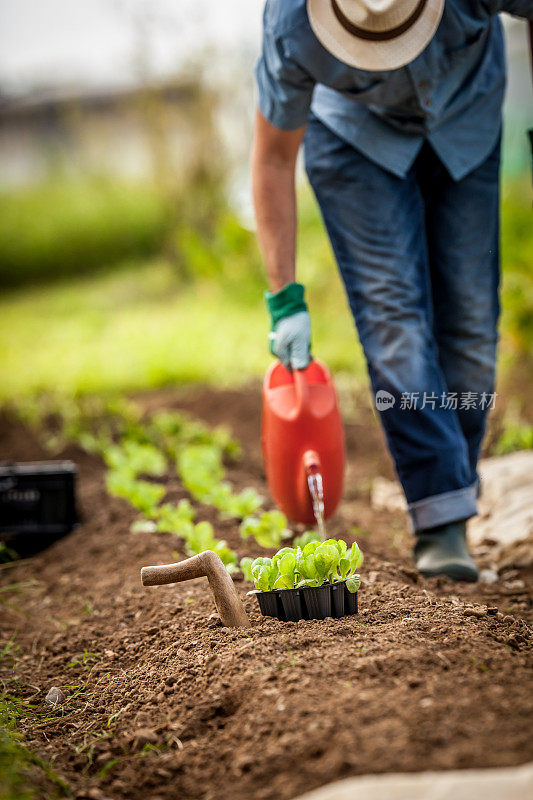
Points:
x=37, y=499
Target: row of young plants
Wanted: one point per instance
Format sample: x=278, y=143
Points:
x=198, y=453
x=133, y=447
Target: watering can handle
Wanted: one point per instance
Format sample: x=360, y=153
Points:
x=301, y=388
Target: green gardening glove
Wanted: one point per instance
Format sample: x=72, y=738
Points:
x=290, y=336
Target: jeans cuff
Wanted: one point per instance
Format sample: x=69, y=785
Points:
x=443, y=508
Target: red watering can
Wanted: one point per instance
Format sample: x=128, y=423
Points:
x=303, y=441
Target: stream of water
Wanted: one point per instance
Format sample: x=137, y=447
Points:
x=314, y=481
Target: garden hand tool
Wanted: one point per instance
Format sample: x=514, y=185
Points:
x=208, y=563
x=303, y=441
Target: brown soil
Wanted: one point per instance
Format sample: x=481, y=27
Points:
x=170, y=704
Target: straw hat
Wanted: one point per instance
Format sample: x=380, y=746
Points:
x=375, y=35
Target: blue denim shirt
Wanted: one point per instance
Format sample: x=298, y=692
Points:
x=450, y=95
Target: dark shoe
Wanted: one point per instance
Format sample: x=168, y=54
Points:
x=443, y=551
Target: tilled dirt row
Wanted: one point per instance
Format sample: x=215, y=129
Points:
x=161, y=701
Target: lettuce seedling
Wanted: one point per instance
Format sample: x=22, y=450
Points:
x=168, y=423
x=327, y=557
x=353, y=583
x=233, y=505
x=350, y=561
x=135, y=458
x=286, y=565
x=262, y=581
x=246, y=568
x=268, y=530
x=176, y=519
x=279, y=555
x=220, y=496
x=243, y=504
x=221, y=436
x=200, y=468
x=278, y=572
x=264, y=574
x=310, y=573
x=305, y=565
x=305, y=538
x=142, y=495
x=226, y=555
x=340, y=544
x=356, y=557
x=202, y=538
x=179, y=430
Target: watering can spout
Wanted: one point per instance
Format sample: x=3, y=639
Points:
x=311, y=462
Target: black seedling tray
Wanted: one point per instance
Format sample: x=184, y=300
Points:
x=339, y=605
x=310, y=602
x=270, y=604
x=318, y=601
x=293, y=605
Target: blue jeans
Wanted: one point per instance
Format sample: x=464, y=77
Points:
x=419, y=258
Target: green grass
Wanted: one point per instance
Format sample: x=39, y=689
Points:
x=18, y=765
x=143, y=325
x=21, y=770
x=139, y=328
x=14, y=760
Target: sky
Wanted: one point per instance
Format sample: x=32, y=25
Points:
x=104, y=42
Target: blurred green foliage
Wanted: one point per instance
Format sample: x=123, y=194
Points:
x=194, y=312
x=517, y=261
x=70, y=227
x=516, y=436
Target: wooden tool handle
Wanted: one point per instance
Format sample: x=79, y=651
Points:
x=208, y=563
x=173, y=573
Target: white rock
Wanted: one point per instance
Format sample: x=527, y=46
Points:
x=143, y=526
x=488, y=576
x=54, y=697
